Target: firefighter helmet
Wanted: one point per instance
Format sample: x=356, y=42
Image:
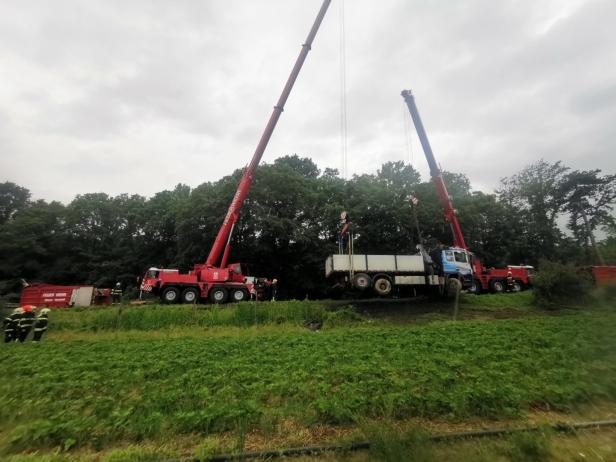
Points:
x=45, y=311
x=28, y=308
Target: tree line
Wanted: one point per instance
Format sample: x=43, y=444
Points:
x=291, y=219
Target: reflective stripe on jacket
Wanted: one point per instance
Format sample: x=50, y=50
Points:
x=27, y=320
x=41, y=324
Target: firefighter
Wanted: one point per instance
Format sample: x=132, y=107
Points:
x=40, y=325
x=509, y=281
x=116, y=293
x=26, y=322
x=11, y=325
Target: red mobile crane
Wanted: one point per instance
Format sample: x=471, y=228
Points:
x=484, y=279
x=215, y=279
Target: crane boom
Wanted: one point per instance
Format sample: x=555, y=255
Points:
x=223, y=238
x=435, y=173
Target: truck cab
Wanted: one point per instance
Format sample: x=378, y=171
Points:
x=455, y=262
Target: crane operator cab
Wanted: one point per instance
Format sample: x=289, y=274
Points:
x=455, y=262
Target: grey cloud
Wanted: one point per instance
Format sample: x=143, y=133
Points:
x=97, y=85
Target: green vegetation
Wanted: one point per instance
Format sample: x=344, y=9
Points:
x=290, y=223
x=517, y=301
x=156, y=317
x=390, y=444
x=101, y=391
x=530, y=446
x=557, y=284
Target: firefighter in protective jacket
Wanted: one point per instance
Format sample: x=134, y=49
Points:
x=116, y=293
x=40, y=325
x=26, y=322
x=11, y=325
x=510, y=286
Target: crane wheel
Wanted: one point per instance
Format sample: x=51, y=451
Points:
x=219, y=295
x=170, y=295
x=498, y=287
x=190, y=295
x=382, y=286
x=239, y=295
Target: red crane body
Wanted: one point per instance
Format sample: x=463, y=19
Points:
x=493, y=279
x=215, y=278
x=224, y=234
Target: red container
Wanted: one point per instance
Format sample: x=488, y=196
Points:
x=56, y=296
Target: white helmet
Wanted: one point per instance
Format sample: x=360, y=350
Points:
x=18, y=310
x=45, y=311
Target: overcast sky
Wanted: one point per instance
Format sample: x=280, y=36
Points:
x=137, y=96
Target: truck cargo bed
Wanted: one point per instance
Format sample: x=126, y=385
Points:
x=406, y=264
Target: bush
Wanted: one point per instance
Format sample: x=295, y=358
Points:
x=556, y=283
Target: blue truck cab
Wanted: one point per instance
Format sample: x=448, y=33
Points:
x=455, y=262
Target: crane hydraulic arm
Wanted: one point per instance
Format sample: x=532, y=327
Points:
x=435, y=172
x=223, y=239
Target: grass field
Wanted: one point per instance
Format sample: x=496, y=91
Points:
x=208, y=379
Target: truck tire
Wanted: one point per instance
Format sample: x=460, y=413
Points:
x=517, y=286
x=475, y=287
x=497, y=286
x=219, y=295
x=362, y=281
x=453, y=286
x=382, y=286
x=170, y=295
x=239, y=295
x=190, y=295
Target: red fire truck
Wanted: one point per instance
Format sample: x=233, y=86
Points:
x=215, y=279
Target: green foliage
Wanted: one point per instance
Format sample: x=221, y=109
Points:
x=590, y=204
x=157, y=317
x=12, y=199
x=520, y=300
x=100, y=390
x=530, y=447
x=135, y=454
x=388, y=444
x=290, y=223
x=558, y=283
x=537, y=193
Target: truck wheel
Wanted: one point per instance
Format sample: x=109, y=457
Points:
x=190, y=295
x=497, y=287
x=517, y=286
x=382, y=286
x=170, y=295
x=219, y=295
x=475, y=287
x=362, y=281
x=453, y=287
x=239, y=295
